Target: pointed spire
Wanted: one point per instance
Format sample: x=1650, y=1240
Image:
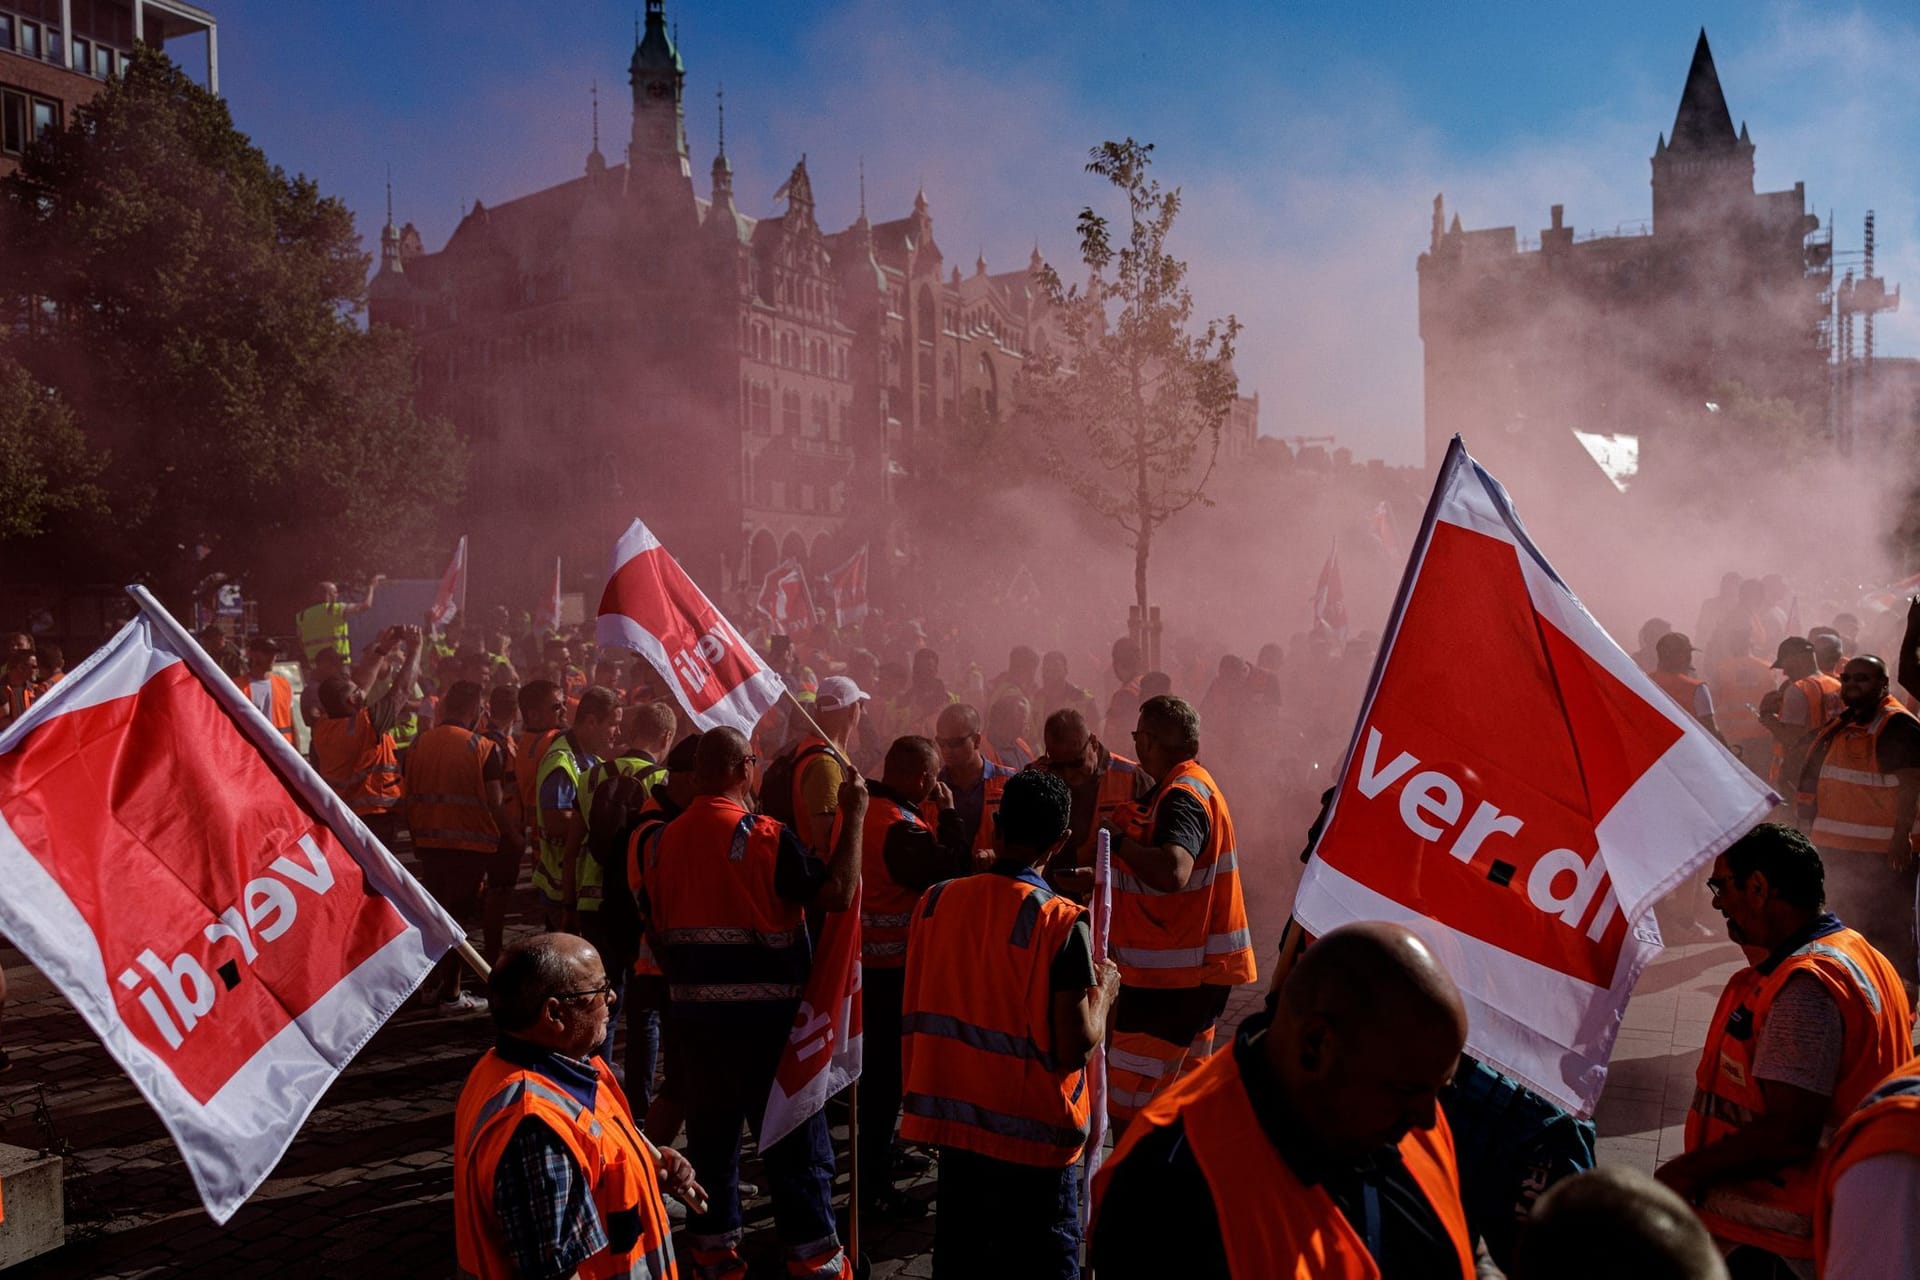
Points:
x=980, y=262
x=722, y=168
x=596, y=163
x=390, y=234
x=863, y=189
x=1660, y=147
x=720, y=97
x=920, y=201
x=1746, y=139
x=1703, y=122
x=1034, y=260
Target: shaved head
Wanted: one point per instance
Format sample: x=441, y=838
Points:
x=1615, y=1221
x=1367, y=1030
x=719, y=758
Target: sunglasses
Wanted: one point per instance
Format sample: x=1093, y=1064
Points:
x=590, y=994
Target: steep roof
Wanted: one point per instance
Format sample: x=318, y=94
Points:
x=1703, y=122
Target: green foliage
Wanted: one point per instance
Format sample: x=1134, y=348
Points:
x=1130, y=407
x=47, y=468
x=204, y=329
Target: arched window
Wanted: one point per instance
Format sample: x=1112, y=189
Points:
x=926, y=314
x=989, y=388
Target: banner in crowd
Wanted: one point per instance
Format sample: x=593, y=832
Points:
x=1330, y=597
x=652, y=607
x=1101, y=913
x=546, y=620
x=450, y=601
x=1520, y=793
x=228, y=928
x=847, y=588
x=784, y=599
x=1385, y=532
x=823, y=1050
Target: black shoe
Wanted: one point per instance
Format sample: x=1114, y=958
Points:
x=891, y=1204
x=909, y=1163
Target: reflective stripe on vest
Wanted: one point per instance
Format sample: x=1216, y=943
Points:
x=445, y=758
x=1854, y=803
x=886, y=907
x=357, y=763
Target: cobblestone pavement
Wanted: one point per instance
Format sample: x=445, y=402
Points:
x=366, y=1189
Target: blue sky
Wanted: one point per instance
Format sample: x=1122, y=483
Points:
x=1310, y=138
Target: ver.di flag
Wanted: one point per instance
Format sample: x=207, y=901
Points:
x=1520, y=793
x=784, y=599
x=1330, y=597
x=652, y=607
x=451, y=598
x=230, y=931
x=822, y=1055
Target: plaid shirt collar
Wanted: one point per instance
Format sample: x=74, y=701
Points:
x=578, y=1079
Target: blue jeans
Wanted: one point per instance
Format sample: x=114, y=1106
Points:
x=724, y=1068
x=644, y=998
x=1010, y=1221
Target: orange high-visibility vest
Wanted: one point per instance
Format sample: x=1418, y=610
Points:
x=980, y=1071
x=604, y=1144
x=1197, y=933
x=1886, y=1121
x=724, y=933
x=1679, y=687
x=273, y=694
x=529, y=749
x=886, y=907
x=508, y=750
x=643, y=854
x=1822, y=693
x=1271, y=1223
x=359, y=764
x=447, y=791
x=1775, y=1211
x=1852, y=804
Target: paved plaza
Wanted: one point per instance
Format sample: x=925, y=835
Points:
x=366, y=1190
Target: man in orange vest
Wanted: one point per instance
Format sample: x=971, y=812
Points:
x=647, y=985
x=1179, y=931
x=1003, y=1006
x=730, y=890
x=352, y=745
x=18, y=685
x=1870, y=1181
x=900, y=856
x=550, y=1174
x=974, y=780
x=1858, y=793
x=1798, y=710
x=1674, y=674
x=1102, y=785
x=1800, y=1036
x=462, y=832
x=270, y=692
x=1316, y=1145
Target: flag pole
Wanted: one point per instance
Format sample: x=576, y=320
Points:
x=832, y=746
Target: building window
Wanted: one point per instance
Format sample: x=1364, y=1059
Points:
x=53, y=48
x=103, y=62
x=6, y=32
x=30, y=39
x=46, y=117
x=846, y=411
x=762, y=407
x=790, y=411
x=82, y=56
x=819, y=408
x=13, y=122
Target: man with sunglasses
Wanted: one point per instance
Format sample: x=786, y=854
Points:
x=976, y=781
x=1101, y=782
x=1801, y=1035
x=551, y=1175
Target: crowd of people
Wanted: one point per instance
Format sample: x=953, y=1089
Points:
x=681, y=879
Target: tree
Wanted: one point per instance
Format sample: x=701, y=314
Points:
x=1131, y=409
x=198, y=310
x=47, y=469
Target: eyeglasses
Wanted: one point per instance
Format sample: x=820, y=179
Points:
x=1718, y=885
x=592, y=994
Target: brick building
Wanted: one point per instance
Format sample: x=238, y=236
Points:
x=55, y=55
x=1628, y=334
x=756, y=388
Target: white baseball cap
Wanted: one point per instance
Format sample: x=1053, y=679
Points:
x=836, y=693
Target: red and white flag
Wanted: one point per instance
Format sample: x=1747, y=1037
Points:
x=451, y=599
x=847, y=587
x=1381, y=525
x=1330, y=597
x=822, y=1056
x=547, y=620
x=784, y=598
x=1520, y=793
x=652, y=607
x=230, y=931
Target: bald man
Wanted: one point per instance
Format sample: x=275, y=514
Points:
x=1317, y=1146
x=1614, y=1222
